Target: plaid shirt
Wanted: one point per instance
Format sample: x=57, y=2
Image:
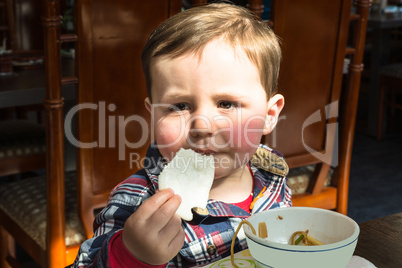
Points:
x=209, y=235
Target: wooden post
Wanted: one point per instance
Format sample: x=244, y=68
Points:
x=55, y=228
x=256, y=7
x=348, y=121
x=199, y=2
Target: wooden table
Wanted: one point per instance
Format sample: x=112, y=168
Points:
x=26, y=87
x=380, y=241
x=381, y=26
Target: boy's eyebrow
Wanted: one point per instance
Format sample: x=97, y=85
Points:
x=173, y=95
x=219, y=96
x=226, y=96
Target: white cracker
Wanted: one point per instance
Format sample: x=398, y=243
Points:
x=189, y=175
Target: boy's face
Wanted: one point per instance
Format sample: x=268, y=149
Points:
x=213, y=104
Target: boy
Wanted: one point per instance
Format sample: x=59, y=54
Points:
x=211, y=72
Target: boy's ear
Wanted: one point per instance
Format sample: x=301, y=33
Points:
x=147, y=104
x=275, y=106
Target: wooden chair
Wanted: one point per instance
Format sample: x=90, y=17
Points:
x=316, y=129
x=22, y=143
x=390, y=82
x=50, y=216
x=7, y=25
x=22, y=147
x=20, y=26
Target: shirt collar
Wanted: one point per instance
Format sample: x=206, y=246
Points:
x=154, y=164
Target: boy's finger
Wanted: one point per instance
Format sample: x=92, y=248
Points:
x=152, y=204
x=172, y=228
x=164, y=214
x=177, y=242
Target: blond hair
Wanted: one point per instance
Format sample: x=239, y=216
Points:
x=191, y=30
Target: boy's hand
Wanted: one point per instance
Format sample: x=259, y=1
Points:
x=153, y=234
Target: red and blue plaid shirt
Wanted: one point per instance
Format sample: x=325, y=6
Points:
x=211, y=229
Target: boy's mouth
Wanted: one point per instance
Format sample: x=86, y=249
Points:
x=204, y=152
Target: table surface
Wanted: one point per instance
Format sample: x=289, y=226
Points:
x=380, y=241
x=26, y=87
x=385, y=20
x=382, y=26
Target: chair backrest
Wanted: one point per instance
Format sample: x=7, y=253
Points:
x=111, y=36
x=314, y=37
x=111, y=91
x=311, y=73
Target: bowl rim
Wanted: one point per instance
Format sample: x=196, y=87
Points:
x=320, y=248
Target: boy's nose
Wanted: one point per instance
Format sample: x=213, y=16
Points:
x=200, y=126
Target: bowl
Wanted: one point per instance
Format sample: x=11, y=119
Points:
x=338, y=232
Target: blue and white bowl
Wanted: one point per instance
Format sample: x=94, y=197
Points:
x=338, y=232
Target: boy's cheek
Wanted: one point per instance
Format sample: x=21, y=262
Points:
x=249, y=135
x=169, y=140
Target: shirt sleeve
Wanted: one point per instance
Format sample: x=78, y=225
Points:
x=120, y=257
x=123, y=202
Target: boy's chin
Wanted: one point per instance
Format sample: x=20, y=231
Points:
x=222, y=174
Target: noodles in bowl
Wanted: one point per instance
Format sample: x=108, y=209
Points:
x=336, y=231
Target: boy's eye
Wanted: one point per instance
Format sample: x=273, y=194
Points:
x=179, y=107
x=228, y=105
